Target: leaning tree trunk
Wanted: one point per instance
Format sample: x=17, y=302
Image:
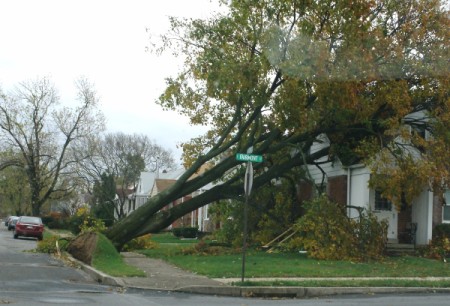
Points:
x=151, y=219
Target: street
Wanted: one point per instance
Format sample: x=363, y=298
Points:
x=28, y=278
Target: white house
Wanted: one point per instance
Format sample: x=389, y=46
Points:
x=349, y=186
x=151, y=183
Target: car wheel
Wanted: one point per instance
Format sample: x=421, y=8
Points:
x=39, y=238
x=16, y=236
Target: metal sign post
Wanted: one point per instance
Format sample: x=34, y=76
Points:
x=248, y=183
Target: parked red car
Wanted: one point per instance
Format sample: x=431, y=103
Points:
x=29, y=227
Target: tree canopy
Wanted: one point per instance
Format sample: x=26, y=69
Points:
x=41, y=134
x=274, y=75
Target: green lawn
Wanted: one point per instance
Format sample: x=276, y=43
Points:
x=105, y=258
x=108, y=260
x=263, y=264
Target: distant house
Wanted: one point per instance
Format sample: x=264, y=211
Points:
x=348, y=186
x=145, y=186
x=150, y=184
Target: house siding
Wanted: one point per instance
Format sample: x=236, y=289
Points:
x=422, y=211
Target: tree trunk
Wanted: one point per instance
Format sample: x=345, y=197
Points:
x=150, y=218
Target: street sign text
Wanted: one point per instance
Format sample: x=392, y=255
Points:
x=249, y=157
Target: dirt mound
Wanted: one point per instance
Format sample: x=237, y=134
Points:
x=83, y=246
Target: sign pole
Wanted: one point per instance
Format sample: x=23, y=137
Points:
x=248, y=182
x=247, y=187
x=244, y=243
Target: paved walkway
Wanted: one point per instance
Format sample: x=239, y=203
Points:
x=162, y=276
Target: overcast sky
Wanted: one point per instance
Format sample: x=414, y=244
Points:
x=105, y=41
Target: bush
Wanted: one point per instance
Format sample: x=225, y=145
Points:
x=185, y=232
x=371, y=236
x=48, y=245
x=91, y=224
x=83, y=221
x=325, y=232
x=55, y=221
x=438, y=248
x=74, y=224
x=140, y=243
x=442, y=231
x=230, y=232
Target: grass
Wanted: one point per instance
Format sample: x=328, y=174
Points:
x=105, y=257
x=56, y=232
x=108, y=260
x=263, y=264
x=166, y=238
x=228, y=264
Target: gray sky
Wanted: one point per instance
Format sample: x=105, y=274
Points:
x=103, y=40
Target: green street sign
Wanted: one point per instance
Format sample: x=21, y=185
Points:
x=249, y=157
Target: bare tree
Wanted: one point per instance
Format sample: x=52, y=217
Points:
x=43, y=133
x=124, y=157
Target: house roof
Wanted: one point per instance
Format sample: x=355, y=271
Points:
x=163, y=184
x=203, y=168
x=147, y=180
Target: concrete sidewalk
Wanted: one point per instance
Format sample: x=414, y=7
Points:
x=162, y=276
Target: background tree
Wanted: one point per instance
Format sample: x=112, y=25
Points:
x=123, y=157
x=274, y=75
x=14, y=192
x=104, y=197
x=42, y=134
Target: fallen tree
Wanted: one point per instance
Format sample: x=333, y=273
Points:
x=274, y=75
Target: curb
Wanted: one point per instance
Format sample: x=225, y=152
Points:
x=305, y=292
x=96, y=275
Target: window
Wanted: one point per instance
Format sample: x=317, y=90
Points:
x=446, y=208
x=382, y=203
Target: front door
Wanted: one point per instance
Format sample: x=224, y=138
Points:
x=384, y=210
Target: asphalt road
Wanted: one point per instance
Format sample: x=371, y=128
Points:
x=28, y=278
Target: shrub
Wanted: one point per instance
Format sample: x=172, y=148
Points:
x=230, y=232
x=438, y=248
x=442, y=231
x=371, y=236
x=74, y=223
x=48, y=245
x=55, y=221
x=140, y=243
x=185, y=232
x=91, y=224
x=83, y=221
x=325, y=232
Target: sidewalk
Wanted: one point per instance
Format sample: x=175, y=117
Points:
x=162, y=276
